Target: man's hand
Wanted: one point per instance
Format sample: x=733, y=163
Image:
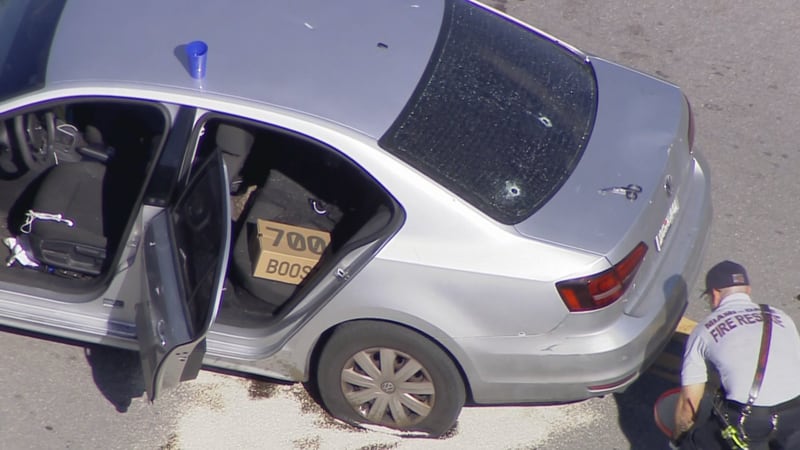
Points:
x=680, y=431
x=677, y=440
x=686, y=409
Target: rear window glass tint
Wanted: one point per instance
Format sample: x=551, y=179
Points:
x=501, y=116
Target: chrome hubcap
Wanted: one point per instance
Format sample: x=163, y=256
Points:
x=388, y=387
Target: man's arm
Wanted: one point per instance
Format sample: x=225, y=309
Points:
x=686, y=409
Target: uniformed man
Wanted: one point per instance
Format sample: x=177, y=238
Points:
x=730, y=339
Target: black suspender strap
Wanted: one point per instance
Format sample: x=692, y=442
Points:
x=763, y=354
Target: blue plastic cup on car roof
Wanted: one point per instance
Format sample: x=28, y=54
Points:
x=196, y=51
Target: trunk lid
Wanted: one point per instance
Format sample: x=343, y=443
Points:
x=628, y=186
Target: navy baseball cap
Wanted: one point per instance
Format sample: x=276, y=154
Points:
x=726, y=274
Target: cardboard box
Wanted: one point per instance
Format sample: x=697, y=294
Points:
x=284, y=252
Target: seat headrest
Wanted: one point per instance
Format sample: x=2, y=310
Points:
x=234, y=140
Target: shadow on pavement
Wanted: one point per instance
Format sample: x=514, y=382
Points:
x=635, y=405
x=636, y=412
x=117, y=374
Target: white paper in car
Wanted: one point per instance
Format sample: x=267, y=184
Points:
x=18, y=254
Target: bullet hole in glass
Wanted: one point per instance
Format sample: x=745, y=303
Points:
x=512, y=189
x=546, y=121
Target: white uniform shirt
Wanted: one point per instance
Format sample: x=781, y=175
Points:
x=730, y=339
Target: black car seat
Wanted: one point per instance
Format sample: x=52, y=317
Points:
x=76, y=192
x=98, y=207
x=280, y=199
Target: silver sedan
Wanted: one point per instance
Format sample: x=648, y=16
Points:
x=408, y=205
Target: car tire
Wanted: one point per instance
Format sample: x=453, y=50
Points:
x=423, y=391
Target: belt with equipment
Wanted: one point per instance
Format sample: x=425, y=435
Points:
x=774, y=409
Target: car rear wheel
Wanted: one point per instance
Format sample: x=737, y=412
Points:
x=383, y=374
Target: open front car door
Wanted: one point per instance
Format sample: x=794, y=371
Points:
x=185, y=253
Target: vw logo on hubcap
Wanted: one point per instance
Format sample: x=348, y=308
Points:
x=387, y=387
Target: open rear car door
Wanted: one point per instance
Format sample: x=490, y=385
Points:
x=185, y=251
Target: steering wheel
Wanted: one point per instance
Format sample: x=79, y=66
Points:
x=35, y=135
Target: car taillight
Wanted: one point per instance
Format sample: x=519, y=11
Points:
x=690, y=131
x=602, y=289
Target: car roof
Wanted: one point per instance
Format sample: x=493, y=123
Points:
x=354, y=62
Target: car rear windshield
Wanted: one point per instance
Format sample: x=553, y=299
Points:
x=26, y=32
x=500, y=117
